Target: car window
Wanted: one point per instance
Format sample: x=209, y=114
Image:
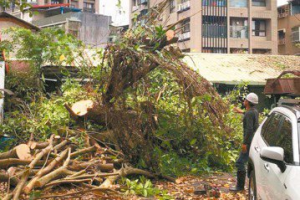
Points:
x=270, y=129
x=277, y=131
x=285, y=139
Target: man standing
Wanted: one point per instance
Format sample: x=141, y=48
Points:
x=250, y=124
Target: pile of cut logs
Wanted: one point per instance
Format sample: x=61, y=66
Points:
x=59, y=162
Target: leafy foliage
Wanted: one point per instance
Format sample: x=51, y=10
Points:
x=42, y=116
x=49, y=46
x=143, y=187
x=194, y=132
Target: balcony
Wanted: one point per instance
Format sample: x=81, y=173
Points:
x=239, y=32
x=183, y=7
x=281, y=41
x=184, y=36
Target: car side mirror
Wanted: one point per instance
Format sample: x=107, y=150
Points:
x=274, y=155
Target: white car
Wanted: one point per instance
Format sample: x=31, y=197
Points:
x=274, y=167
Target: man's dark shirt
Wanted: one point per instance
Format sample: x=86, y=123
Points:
x=250, y=124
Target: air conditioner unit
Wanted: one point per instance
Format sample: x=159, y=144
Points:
x=187, y=35
x=187, y=5
x=179, y=7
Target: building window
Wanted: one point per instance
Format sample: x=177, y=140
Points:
x=134, y=2
x=216, y=3
x=214, y=50
x=238, y=3
x=56, y=2
x=261, y=51
x=261, y=3
x=214, y=27
x=259, y=28
x=281, y=37
x=88, y=7
x=186, y=26
x=172, y=6
x=296, y=34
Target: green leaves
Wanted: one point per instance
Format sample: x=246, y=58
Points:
x=142, y=187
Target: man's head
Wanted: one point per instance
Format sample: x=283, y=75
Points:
x=251, y=100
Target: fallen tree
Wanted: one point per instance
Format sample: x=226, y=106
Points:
x=127, y=112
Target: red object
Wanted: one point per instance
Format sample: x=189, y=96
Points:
x=284, y=86
x=51, y=5
x=3, y=55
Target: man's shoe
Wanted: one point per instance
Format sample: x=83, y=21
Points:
x=236, y=189
x=241, y=177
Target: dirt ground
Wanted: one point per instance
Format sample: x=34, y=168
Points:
x=192, y=188
x=208, y=187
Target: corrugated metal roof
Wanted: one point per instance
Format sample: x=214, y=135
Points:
x=238, y=68
x=7, y=15
x=56, y=19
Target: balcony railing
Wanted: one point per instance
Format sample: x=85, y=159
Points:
x=281, y=41
x=184, y=36
x=184, y=6
x=239, y=32
x=214, y=31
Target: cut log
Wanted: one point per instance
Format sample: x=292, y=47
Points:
x=63, y=181
x=6, y=177
x=43, y=171
x=60, y=145
x=21, y=151
x=123, y=172
x=20, y=185
x=35, y=145
x=97, y=164
x=62, y=171
x=83, y=151
x=26, y=174
x=81, y=108
x=6, y=163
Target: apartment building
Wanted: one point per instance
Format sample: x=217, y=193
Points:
x=85, y=5
x=289, y=28
x=219, y=26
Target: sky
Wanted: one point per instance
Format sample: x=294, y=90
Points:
x=121, y=16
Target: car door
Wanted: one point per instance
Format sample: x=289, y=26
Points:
x=266, y=132
x=275, y=187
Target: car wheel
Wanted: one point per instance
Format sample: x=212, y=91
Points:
x=252, y=186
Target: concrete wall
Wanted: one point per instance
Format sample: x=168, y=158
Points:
x=94, y=29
